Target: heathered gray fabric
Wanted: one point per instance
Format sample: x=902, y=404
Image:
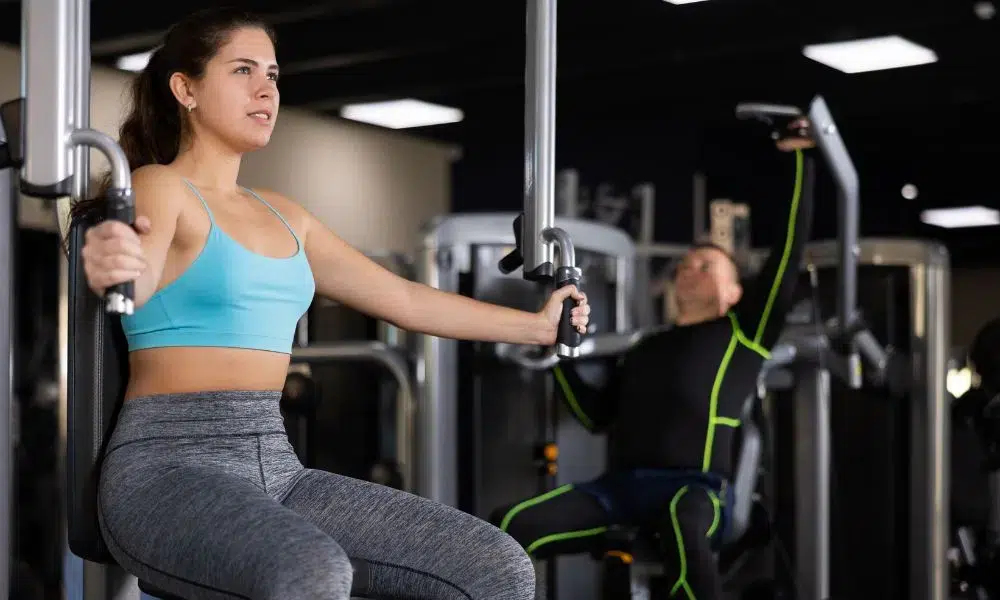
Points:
x=202, y=496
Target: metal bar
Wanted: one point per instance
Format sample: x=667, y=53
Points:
x=121, y=174
x=47, y=74
x=931, y=426
x=646, y=192
x=832, y=146
x=568, y=193
x=8, y=229
x=436, y=374
x=539, y=136
x=812, y=483
x=396, y=364
x=700, y=206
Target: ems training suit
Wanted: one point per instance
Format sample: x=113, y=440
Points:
x=672, y=404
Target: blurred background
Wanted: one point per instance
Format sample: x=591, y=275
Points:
x=395, y=112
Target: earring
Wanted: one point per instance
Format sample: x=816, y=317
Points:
x=190, y=107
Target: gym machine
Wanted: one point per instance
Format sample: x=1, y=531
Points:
x=48, y=140
x=8, y=233
x=477, y=415
x=394, y=361
x=816, y=349
x=457, y=244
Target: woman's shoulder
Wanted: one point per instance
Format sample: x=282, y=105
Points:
x=158, y=187
x=292, y=211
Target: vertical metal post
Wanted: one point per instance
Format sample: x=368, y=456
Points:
x=568, y=193
x=47, y=73
x=646, y=192
x=812, y=483
x=436, y=373
x=828, y=139
x=700, y=206
x=8, y=229
x=539, y=136
x=931, y=427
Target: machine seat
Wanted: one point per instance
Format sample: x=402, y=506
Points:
x=360, y=585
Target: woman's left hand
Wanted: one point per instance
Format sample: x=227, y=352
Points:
x=553, y=311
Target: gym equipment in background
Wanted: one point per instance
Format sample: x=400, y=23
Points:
x=846, y=347
x=479, y=420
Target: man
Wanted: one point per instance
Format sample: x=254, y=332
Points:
x=674, y=401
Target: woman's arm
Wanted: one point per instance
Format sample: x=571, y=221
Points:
x=346, y=275
x=114, y=252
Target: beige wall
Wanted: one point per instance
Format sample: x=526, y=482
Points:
x=373, y=187
x=975, y=300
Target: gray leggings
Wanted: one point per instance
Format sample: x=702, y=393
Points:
x=202, y=496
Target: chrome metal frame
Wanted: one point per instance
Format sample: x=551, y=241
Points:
x=930, y=450
x=397, y=364
x=446, y=251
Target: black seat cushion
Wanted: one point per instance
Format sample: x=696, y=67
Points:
x=153, y=591
x=360, y=585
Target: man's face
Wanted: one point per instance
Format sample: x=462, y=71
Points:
x=707, y=277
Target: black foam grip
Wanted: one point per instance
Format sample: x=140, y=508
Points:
x=121, y=207
x=567, y=334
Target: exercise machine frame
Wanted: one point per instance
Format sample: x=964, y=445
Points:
x=445, y=252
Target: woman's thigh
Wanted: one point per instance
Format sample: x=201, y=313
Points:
x=203, y=533
x=416, y=548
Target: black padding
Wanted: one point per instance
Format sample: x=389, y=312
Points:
x=361, y=583
x=153, y=591
x=98, y=372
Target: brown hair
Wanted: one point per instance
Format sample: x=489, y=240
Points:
x=152, y=132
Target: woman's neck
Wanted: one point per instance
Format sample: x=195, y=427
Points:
x=209, y=165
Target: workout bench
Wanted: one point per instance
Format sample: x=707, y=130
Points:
x=98, y=374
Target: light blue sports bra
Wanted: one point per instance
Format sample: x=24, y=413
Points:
x=228, y=297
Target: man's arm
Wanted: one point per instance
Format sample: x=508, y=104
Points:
x=762, y=311
x=592, y=403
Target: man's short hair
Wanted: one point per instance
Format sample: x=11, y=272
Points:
x=713, y=246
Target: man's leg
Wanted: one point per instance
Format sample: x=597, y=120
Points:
x=566, y=520
x=687, y=531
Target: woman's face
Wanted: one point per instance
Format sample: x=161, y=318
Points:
x=236, y=101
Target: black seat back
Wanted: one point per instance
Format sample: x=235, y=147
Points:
x=98, y=373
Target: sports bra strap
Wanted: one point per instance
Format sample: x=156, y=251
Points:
x=274, y=210
x=202, y=198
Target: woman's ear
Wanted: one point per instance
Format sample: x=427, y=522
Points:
x=181, y=87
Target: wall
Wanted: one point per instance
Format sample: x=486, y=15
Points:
x=975, y=299
x=373, y=187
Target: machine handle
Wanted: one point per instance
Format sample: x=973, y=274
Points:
x=515, y=259
x=120, y=298
x=568, y=339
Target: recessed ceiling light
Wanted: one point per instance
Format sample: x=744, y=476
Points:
x=134, y=62
x=872, y=54
x=402, y=114
x=965, y=216
x=683, y=1
x=910, y=191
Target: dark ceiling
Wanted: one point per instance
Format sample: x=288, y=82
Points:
x=644, y=81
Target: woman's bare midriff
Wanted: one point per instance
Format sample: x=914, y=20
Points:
x=194, y=369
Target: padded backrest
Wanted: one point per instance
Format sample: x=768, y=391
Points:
x=98, y=372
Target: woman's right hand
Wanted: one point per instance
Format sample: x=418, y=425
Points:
x=112, y=253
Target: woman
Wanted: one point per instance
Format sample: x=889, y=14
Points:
x=201, y=494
